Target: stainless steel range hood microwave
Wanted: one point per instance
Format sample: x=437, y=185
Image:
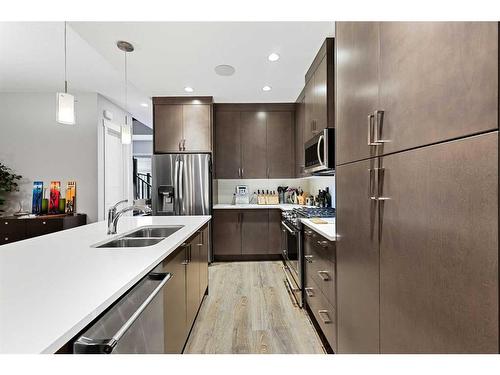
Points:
x=320, y=153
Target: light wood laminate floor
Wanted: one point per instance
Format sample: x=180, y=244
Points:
x=248, y=310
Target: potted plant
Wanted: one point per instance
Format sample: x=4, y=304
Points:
x=8, y=183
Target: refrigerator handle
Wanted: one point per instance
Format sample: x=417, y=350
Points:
x=181, y=187
x=176, y=186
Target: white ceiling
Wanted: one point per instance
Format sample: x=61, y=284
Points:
x=171, y=55
x=168, y=56
x=32, y=60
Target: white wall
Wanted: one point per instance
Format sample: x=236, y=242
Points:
x=104, y=104
x=38, y=148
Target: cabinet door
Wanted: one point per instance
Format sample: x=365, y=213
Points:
x=227, y=145
x=253, y=145
x=39, y=227
x=167, y=127
x=196, y=127
x=193, y=281
x=203, y=245
x=438, y=81
x=320, y=107
x=274, y=219
x=175, y=302
x=227, y=232
x=357, y=52
x=357, y=260
x=439, y=249
x=254, y=232
x=309, y=110
x=300, y=123
x=280, y=158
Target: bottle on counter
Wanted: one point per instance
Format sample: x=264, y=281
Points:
x=328, y=197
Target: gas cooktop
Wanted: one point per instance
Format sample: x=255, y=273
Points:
x=309, y=212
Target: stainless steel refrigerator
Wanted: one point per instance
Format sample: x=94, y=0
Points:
x=182, y=184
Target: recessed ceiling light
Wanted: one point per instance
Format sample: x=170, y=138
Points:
x=188, y=89
x=225, y=70
x=273, y=57
x=266, y=88
x=145, y=105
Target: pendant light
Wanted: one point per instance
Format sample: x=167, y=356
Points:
x=126, y=47
x=65, y=111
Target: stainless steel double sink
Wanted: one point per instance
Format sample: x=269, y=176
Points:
x=142, y=237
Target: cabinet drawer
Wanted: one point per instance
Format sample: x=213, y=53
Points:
x=11, y=237
x=12, y=226
x=320, y=264
x=323, y=311
x=40, y=227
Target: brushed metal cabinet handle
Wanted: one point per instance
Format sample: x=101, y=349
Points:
x=309, y=292
x=371, y=130
x=322, y=243
x=325, y=276
x=324, y=312
x=242, y=172
x=309, y=258
x=378, y=117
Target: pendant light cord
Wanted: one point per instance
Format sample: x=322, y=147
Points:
x=126, y=87
x=65, y=62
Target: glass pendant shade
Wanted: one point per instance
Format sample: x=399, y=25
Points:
x=65, y=110
x=126, y=134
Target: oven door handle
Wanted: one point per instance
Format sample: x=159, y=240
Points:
x=288, y=228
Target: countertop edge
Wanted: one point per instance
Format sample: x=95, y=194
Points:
x=315, y=227
x=85, y=321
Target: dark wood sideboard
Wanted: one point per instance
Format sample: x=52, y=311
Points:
x=15, y=229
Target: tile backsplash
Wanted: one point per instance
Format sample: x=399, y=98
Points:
x=224, y=189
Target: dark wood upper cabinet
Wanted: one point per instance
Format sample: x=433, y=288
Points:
x=280, y=152
x=197, y=127
x=227, y=145
x=182, y=124
x=254, y=231
x=357, y=53
x=167, y=124
x=319, y=91
x=439, y=249
x=438, y=81
x=253, y=145
x=309, y=129
x=254, y=140
x=300, y=123
x=433, y=81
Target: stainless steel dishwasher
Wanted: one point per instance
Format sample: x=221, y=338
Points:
x=135, y=324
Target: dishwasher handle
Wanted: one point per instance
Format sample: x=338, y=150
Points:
x=106, y=346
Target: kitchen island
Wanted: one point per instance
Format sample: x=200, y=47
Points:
x=53, y=286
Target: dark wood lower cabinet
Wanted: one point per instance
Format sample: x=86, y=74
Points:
x=274, y=232
x=175, y=302
x=184, y=292
x=15, y=229
x=248, y=234
x=254, y=231
x=439, y=249
x=319, y=279
x=227, y=232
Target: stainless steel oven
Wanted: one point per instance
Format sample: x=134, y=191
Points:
x=320, y=152
x=292, y=258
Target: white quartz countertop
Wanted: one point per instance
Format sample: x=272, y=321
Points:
x=326, y=230
x=53, y=286
x=282, y=207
